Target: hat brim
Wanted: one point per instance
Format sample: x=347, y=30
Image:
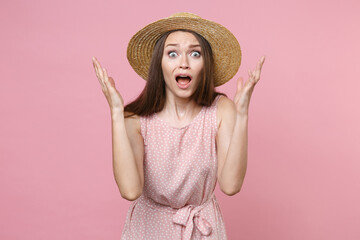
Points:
x=225, y=47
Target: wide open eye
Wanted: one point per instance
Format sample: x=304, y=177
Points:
x=195, y=54
x=172, y=54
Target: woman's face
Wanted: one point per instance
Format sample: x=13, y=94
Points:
x=182, y=63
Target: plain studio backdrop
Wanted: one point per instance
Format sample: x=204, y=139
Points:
x=56, y=179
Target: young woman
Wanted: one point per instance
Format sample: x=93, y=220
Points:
x=179, y=137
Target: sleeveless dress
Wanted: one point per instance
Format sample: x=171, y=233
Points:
x=180, y=174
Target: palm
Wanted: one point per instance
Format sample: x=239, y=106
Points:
x=244, y=90
x=113, y=97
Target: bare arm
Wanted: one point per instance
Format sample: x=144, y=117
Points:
x=128, y=151
x=127, y=142
x=232, y=147
x=232, y=137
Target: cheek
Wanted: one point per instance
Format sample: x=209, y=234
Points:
x=163, y=67
x=198, y=65
x=168, y=68
x=165, y=64
x=199, y=68
x=166, y=72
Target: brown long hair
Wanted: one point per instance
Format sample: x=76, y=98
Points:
x=152, y=98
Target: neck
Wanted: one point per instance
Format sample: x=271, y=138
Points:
x=180, y=108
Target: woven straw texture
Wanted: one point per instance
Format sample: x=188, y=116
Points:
x=225, y=47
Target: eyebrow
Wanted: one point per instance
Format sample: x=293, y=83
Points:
x=176, y=45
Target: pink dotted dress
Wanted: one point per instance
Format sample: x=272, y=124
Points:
x=180, y=171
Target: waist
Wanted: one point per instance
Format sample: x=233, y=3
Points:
x=166, y=208
x=187, y=216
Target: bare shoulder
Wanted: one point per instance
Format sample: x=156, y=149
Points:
x=132, y=122
x=225, y=104
x=226, y=109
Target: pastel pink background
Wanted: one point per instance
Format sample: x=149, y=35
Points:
x=56, y=179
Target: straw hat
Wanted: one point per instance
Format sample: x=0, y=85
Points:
x=224, y=45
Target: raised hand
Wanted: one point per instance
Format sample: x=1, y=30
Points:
x=244, y=90
x=113, y=97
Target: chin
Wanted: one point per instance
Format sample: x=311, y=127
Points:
x=184, y=95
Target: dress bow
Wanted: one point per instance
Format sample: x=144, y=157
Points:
x=187, y=216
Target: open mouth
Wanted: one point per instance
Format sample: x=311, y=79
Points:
x=183, y=81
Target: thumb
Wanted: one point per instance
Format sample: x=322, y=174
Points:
x=239, y=83
x=111, y=80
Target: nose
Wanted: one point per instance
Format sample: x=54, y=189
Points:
x=184, y=62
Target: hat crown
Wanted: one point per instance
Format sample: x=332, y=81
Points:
x=184, y=14
x=225, y=47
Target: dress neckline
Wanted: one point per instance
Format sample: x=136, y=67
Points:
x=186, y=126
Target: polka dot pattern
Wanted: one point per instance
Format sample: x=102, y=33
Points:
x=180, y=174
